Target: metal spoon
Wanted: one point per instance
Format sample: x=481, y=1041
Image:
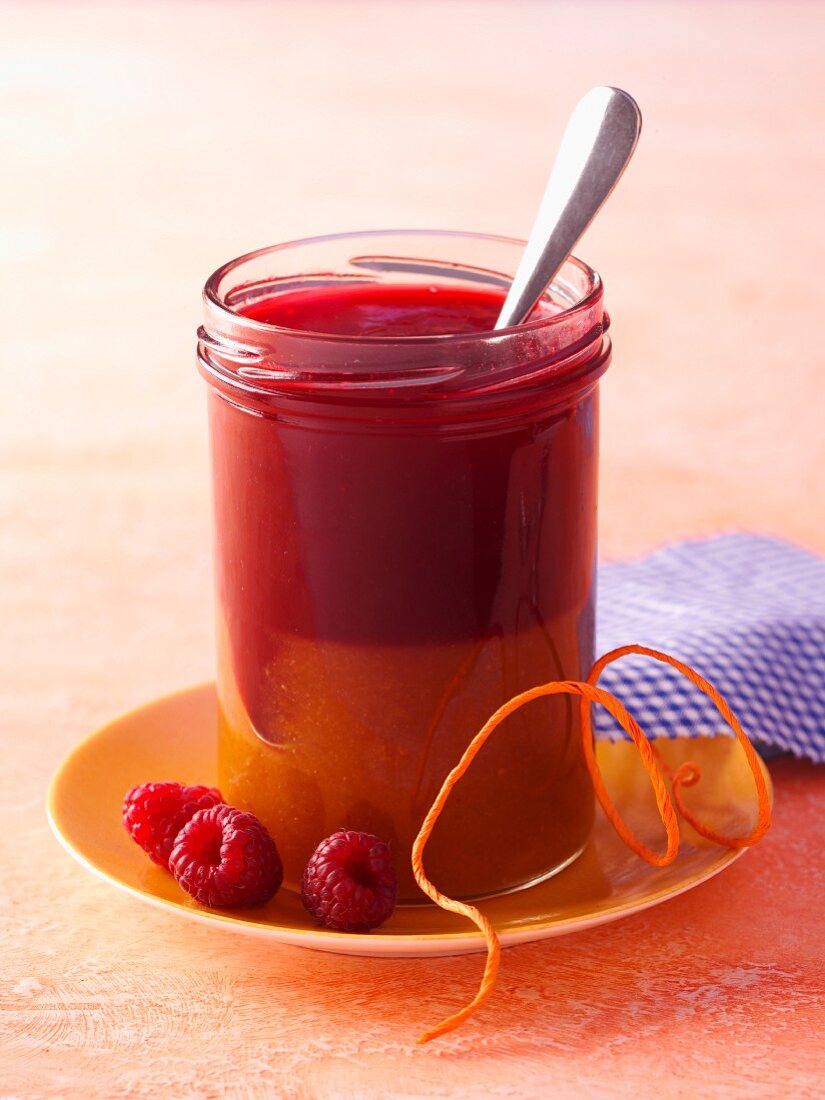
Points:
x=596, y=147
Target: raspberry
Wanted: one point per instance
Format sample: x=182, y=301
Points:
x=349, y=883
x=154, y=814
x=225, y=858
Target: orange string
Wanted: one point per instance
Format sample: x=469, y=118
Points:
x=685, y=776
x=688, y=774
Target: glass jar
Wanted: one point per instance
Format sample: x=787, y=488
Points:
x=405, y=537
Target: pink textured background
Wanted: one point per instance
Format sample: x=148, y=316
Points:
x=142, y=145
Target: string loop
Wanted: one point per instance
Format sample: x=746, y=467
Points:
x=686, y=775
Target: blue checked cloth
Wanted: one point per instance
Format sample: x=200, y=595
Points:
x=747, y=612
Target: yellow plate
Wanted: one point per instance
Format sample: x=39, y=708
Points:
x=174, y=738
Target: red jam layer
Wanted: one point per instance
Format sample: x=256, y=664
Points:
x=376, y=309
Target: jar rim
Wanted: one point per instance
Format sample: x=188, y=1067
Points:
x=215, y=300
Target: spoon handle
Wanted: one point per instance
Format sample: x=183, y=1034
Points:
x=597, y=144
